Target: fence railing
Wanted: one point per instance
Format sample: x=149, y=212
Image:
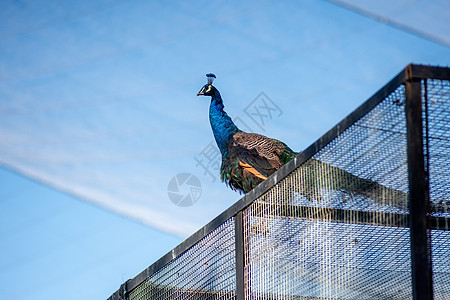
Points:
x=363, y=213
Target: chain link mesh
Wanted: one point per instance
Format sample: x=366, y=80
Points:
x=333, y=251
x=437, y=143
x=436, y=115
x=205, y=271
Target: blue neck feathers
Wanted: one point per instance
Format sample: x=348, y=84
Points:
x=222, y=125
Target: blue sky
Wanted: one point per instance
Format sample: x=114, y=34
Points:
x=98, y=113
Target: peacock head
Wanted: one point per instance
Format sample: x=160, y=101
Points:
x=208, y=89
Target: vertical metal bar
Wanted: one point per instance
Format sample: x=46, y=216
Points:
x=418, y=197
x=239, y=246
x=123, y=291
x=120, y=294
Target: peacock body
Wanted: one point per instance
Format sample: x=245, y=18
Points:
x=247, y=158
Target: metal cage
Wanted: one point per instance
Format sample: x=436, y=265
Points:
x=363, y=213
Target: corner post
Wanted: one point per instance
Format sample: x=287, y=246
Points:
x=422, y=285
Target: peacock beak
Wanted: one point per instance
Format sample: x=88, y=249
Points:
x=202, y=91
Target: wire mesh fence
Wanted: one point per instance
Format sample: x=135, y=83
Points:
x=436, y=118
x=205, y=271
x=347, y=255
x=337, y=222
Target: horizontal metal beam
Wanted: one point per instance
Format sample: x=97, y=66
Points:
x=342, y=215
x=429, y=72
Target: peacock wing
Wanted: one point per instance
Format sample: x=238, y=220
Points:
x=256, y=153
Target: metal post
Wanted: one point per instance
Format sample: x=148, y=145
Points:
x=240, y=263
x=120, y=294
x=418, y=192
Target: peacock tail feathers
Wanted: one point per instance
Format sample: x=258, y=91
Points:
x=239, y=178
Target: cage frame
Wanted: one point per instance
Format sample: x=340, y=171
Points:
x=418, y=220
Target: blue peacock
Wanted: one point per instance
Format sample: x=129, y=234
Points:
x=249, y=158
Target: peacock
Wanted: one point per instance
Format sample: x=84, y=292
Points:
x=250, y=158
x=247, y=158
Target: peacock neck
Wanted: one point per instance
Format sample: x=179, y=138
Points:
x=222, y=125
